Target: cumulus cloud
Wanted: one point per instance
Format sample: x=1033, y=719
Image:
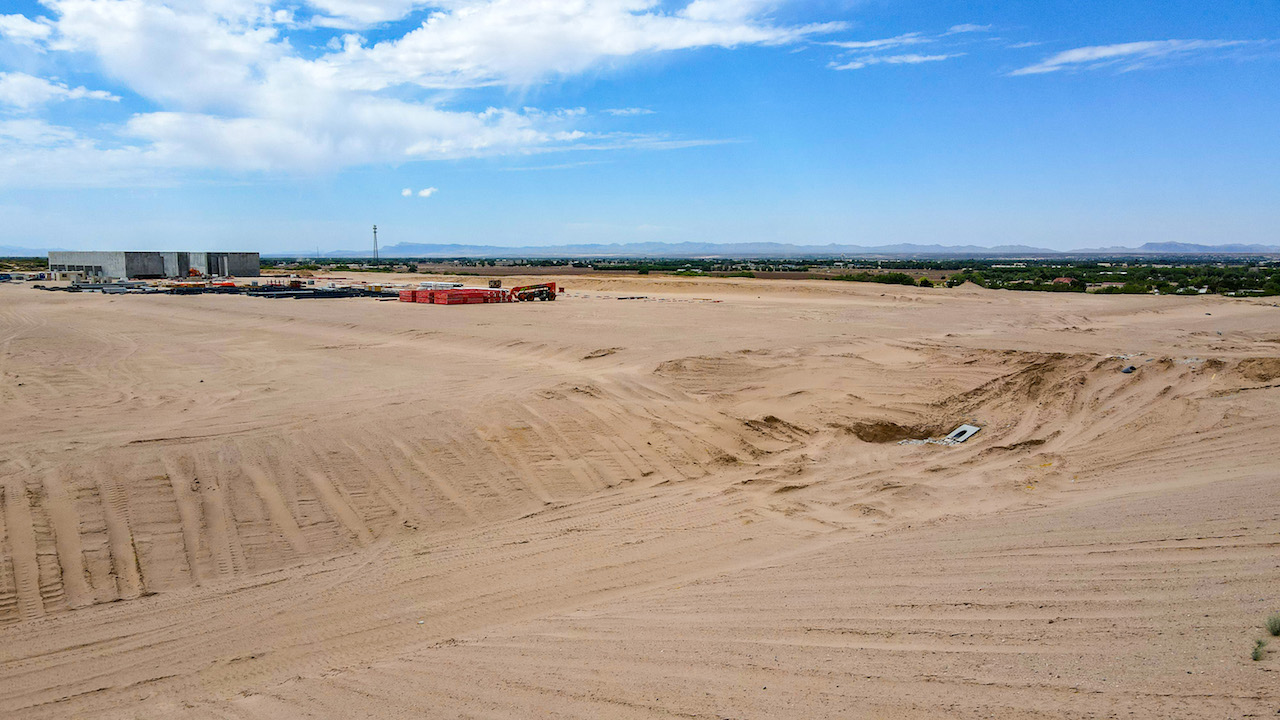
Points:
x=629, y=112
x=231, y=91
x=22, y=29
x=423, y=193
x=908, y=59
x=324, y=134
x=1127, y=56
x=24, y=92
x=35, y=133
x=353, y=14
x=522, y=42
x=192, y=56
x=40, y=154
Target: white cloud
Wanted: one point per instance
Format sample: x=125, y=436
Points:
x=725, y=10
x=34, y=153
x=195, y=56
x=909, y=59
x=24, y=30
x=1129, y=56
x=23, y=91
x=557, y=166
x=234, y=93
x=34, y=133
x=628, y=112
x=914, y=38
x=967, y=28
x=319, y=134
x=522, y=42
x=352, y=14
x=423, y=193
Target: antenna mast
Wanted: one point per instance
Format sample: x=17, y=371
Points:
x=375, y=243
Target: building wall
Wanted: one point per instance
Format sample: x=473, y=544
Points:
x=242, y=264
x=131, y=265
x=92, y=264
x=144, y=265
x=177, y=264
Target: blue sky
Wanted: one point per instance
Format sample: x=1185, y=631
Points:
x=290, y=126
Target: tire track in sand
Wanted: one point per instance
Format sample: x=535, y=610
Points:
x=188, y=514
x=224, y=539
x=278, y=509
x=437, y=480
x=124, y=557
x=8, y=586
x=339, y=506
x=22, y=549
x=66, y=533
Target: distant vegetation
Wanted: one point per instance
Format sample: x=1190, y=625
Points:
x=353, y=265
x=1129, y=278
x=892, y=278
x=375, y=268
x=1176, y=275
x=24, y=264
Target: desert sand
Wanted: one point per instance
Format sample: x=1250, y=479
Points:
x=692, y=504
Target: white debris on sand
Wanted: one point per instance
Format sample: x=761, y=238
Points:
x=957, y=436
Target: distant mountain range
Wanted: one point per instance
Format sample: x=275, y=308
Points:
x=1175, y=248
x=748, y=250
x=11, y=251
x=685, y=250
x=779, y=250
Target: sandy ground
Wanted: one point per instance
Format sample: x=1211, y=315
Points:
x=691, y=504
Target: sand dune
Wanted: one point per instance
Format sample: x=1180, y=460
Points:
x=692, y=504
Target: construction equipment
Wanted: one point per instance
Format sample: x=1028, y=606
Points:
x=542, y=291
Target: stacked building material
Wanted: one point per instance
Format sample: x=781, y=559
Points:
x=470, y=296
x=408, y=295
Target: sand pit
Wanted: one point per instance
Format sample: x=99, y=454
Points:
x=692, y=504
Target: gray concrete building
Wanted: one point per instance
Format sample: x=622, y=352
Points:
x=152, y=265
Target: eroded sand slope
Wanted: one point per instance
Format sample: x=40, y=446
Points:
x=664, y=506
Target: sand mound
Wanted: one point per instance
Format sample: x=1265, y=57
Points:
x=1260, y=369
x=889, y=432
x=233, y=507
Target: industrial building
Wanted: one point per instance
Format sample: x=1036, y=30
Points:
x=152, y=265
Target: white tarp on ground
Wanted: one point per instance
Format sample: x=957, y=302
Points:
x=955, y=437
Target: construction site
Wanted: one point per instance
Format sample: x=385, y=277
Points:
x=294, y=287
x=656, y=496
x=184, y=273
